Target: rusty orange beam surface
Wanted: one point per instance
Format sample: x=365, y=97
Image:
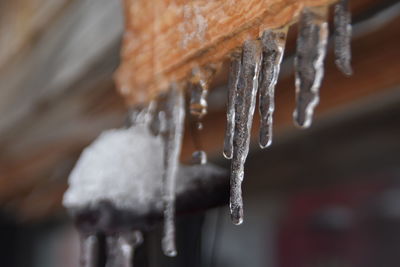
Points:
x=165, y=39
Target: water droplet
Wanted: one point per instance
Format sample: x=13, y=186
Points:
x=174, y=109
x=199, y=157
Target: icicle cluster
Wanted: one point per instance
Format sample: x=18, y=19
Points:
x=159, y=125
x=256, y=69
x=273, y=47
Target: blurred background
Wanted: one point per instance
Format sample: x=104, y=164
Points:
x=328, y=196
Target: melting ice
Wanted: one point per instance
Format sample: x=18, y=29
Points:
x=245, y=101
x=198, y=106
x=309, y=68
x=174, y=108
x=113, y=167
x=342, y=36
x=273, y=42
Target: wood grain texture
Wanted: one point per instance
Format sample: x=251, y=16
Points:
x=165, y=40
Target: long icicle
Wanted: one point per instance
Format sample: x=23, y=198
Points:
x=309, y=68
x=175, y=116
x=342, y=36
x=244, y=110
x=234, y=74
x=273, y=42
x=89, y=250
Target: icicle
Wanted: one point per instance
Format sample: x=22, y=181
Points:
x=89, y=250
x=245, y=102
x=173, y=134
x=309, y=68
x=342, y=36
x=232, y=94
x=120, y=248
x=198, y=105
x=273, y=47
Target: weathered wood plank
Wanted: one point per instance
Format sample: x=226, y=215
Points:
x=164, y=40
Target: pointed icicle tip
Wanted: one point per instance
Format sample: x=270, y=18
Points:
x=89, y=250
x=273, y=42
x=245, y=101
x=234, y=74
x=174, y=109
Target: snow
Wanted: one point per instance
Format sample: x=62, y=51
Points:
x=123, y=166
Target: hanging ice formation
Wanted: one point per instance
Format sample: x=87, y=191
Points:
x=273, y=47
x=236, y=63
x=342, y=36
x=244, y=102
x=309, y=63
x=156, y=127
x=244, y=77
x=254, y=68
x=171, y=117
x=199, y=86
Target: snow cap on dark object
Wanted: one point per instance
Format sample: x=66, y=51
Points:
x=117, y=182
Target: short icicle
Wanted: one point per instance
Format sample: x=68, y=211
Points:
x=273, y=42
x=342, y=36
x=234, y=74
x=309, y=67
x=121, y=247
x=244, y=110
x=198, y=107
x=174, y=119
x=89, y=250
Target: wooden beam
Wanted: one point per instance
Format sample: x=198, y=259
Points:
x=165, y=40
